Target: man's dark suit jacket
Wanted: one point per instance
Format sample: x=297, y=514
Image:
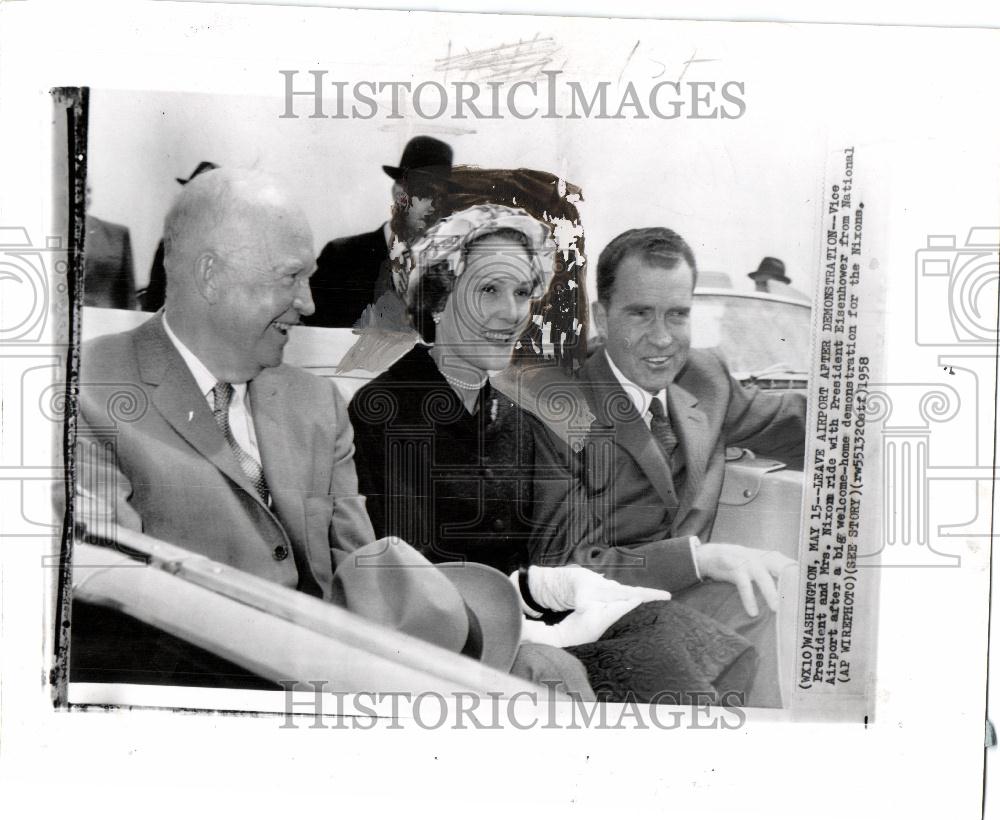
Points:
x=109, y=279
x=153, y=459
x=638, y=524
x=351, y=274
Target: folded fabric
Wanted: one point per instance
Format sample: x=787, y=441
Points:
x=664, y=652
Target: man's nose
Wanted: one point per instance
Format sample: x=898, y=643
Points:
x=661, y=335
x=303, y=302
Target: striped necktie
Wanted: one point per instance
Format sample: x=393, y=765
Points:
x=663, y=430
x=223, y=396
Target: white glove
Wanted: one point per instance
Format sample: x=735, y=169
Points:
x=581, y=626
x=574, y=587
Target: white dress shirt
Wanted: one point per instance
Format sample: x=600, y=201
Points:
x=240, y=414
x=642, y=399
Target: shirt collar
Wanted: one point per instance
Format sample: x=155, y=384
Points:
x=640, y=397
x=202, y=375
x=387, y=234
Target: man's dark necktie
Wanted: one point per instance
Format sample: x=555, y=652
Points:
x=223, y=395
x=663, y=430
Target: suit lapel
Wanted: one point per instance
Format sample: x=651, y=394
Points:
x=616, y=413
x=277, y=450
x=691, y=426
x=181, y=403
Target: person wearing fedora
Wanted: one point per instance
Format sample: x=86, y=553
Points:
x=152, y=296
x=770, y=277
x=192, y=430
x=355, y=272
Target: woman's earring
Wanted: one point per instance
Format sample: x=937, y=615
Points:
x=436, y=318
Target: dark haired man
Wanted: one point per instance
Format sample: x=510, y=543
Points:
x=669, y=412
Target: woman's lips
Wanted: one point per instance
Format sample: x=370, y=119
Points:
x=498, y=336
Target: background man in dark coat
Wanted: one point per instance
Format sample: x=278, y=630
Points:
x=109, y=277
x=354, y=272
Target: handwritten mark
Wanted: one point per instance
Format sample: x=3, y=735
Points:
x=688, y=63
x=446, y=61
x=949, y=370
x=503, y=62
x=628, y=60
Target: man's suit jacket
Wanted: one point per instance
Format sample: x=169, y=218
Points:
x=109, y=278
x=150, y=445
x=351, y=274
x=639, y=525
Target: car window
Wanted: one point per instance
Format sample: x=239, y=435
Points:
x=753, y=332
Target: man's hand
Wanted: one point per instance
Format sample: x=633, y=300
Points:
x=583, y=625
x=744, y=567
x=573, y=587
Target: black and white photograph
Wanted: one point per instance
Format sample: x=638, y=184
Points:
x=624, y=451
x=566, y=381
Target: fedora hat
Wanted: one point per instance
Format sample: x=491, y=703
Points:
x=770, y=267
x=468, y=608
x=423, y=155
x=202, y=167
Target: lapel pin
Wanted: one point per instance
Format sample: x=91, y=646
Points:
x=190, y=414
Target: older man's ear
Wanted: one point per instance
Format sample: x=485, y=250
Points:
x=207, y=272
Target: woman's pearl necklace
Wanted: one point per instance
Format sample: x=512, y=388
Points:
x=464, y=385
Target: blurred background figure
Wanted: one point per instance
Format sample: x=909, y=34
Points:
x=770, y=278
x=152, y=296
x=357, y=272
x=770, y=269
x=109, y=276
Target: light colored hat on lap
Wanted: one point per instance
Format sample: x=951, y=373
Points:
x=468, y=608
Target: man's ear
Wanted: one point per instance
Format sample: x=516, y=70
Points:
x=600, y=314
x=207, y=277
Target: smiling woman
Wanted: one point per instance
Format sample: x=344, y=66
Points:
x=458, y=470
x=435, y=442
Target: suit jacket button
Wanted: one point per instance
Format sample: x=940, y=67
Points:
x=280, y=552
x=499, y=525
x=487, y=472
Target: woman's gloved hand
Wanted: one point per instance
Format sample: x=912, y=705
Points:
x=583, y=625
x=574, y=587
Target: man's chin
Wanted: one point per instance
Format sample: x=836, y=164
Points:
x=655, y=382
x=271, y=358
